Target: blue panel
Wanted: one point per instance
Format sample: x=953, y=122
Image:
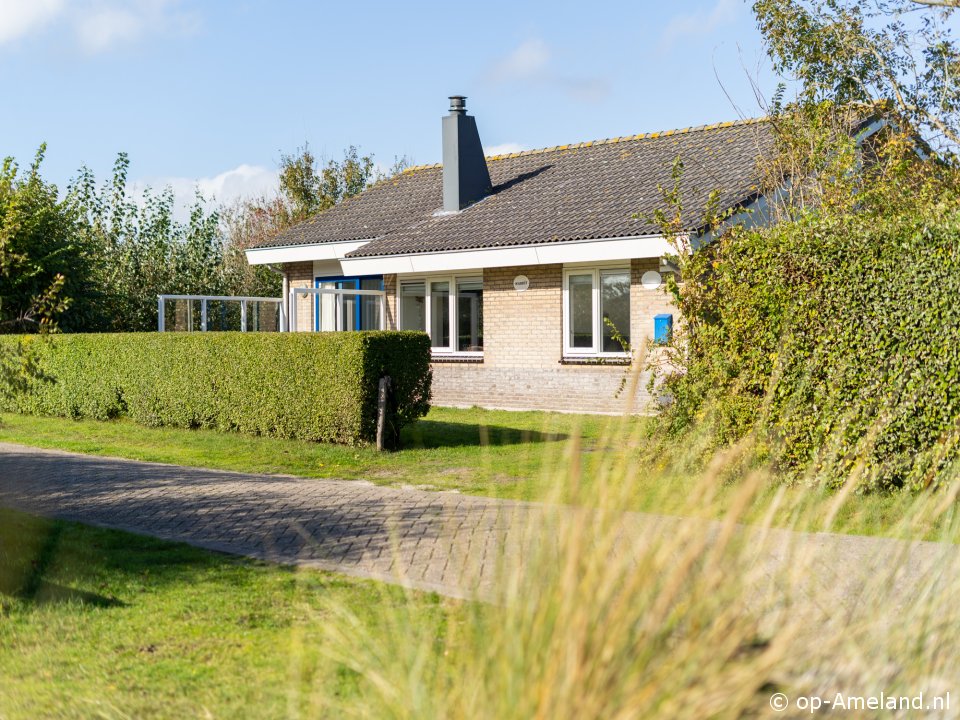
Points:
x=340, y=282
x=662, y=328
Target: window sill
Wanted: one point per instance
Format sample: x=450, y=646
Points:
x=458, y=359
x=599, y=360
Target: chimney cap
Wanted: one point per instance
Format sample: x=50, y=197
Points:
x=458, y=104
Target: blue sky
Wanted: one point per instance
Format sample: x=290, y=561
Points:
x=213, y=92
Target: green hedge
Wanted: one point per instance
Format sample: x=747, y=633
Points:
x=838, y=338
x=313, y=387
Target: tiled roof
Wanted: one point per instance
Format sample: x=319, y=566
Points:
x=585, y=191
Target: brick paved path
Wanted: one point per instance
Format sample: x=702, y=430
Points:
x=453, y=544
x=434, y=541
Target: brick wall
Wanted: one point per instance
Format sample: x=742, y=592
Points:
x=301, y=275
x=591, y=388
x=523, y=348
x=390, y=288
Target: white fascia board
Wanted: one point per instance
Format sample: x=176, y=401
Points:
x=649, y=246
x=301, y=253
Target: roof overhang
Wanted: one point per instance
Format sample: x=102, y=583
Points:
x=647, y=246
x=303, y=253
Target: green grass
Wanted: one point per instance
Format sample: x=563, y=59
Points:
x=507, y=454
x=517, y=455
x=101, y=623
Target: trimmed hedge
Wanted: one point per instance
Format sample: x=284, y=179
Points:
x=838, y=338
x=311, y=387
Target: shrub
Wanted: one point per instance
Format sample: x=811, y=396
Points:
x=305, y=386
x=838, y=338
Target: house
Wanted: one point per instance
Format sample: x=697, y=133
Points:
x=525, y=269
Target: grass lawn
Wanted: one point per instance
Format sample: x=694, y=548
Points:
x=519, y=455
x=507, y=454
x=101, y=623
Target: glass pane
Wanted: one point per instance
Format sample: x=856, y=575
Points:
x=440, y=314
x=370, y=304
x=615, y=310
x=348, y=306
x=470, y=315
x=581, y=311
x=327, y=308
x=413, y=307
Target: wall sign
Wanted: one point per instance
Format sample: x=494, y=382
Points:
x=651, y=280
x=521, y=283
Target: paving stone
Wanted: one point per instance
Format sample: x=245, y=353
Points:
x=443, y=542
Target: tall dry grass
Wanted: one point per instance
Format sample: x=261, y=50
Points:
x=705, y=610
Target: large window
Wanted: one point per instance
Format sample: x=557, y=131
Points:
x=449, y=308
x=347, y=312
x=596, y=313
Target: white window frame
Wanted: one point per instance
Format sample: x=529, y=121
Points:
x=427, y=280
x=595, y=271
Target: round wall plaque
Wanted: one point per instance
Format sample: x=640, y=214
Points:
x=651, y=280
x=521, y=283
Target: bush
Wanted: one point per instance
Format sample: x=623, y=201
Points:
x=837, y=338
x=305, y=386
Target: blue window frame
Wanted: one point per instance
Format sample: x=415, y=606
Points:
x=357, y=312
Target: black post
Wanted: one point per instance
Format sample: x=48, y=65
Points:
x=384, y=439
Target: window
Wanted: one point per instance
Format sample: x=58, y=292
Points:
x=596, y=315
x=470, y=315
x=440, y=314
x=347, y=312
x=449, y=308
x=580, y=294
x=615, y=309
x=413, y=306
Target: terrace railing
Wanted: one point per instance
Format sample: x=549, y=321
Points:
x=321, y=309
x=191, y=313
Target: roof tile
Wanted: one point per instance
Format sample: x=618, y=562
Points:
x=603, y=188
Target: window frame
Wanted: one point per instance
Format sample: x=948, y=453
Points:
x=338, y=281
x=595, y=272
x=452, y=299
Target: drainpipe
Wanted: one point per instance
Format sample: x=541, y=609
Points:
x=284, y=299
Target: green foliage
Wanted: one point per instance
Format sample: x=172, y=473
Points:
x=304, y=386
x=307, y=189
x=97, y=260
x=143, y=251
x=897, y=51
x=44, y=264
x=835, y=336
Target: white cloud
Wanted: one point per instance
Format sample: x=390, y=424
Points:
x=107, y=24
x=97, y=25
x=699, y=23
x=504, y=149
x=531, y=64
x=528, y=61
x=21, y=17
x=243, y=181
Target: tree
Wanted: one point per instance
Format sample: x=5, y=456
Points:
x=142, y=250
x=846, y=51
x=304, y=189
x=307, y=189
x=44, y=265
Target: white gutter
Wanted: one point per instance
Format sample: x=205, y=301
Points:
x=302, y=253
x=621, y=248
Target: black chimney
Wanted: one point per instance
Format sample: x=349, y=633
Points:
x=465, y=175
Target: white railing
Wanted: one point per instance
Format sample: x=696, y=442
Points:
x=204, y=301
x=316, y=321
